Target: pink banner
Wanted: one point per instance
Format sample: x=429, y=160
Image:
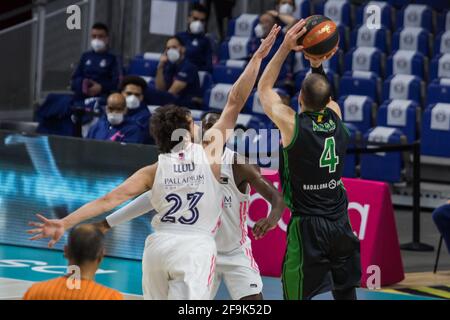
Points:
x=372, y=218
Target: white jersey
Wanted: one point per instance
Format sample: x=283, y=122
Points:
x=232, y=233
x=185, y=193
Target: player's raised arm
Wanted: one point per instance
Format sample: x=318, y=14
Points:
x=216, y=137
x=135, y=185
x=279, y=113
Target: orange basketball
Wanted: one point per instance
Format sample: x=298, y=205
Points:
x=321, y=37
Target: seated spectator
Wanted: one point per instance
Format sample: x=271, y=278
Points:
x=441, y=217
x=98, y=71
x=176, y=75
x=198, y=46
x=115, y=125
x=134, y=88
x=85, y=249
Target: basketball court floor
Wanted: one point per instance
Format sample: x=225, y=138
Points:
x=21, y=266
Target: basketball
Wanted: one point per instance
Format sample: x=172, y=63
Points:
x=321, y=37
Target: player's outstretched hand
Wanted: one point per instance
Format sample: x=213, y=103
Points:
x=316, y=62
x=294, y=33
x=47, y=228
x=267, y=43
x=263, y=226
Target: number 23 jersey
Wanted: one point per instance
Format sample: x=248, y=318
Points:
x=185, y=193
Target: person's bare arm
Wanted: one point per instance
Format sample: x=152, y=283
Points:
x=217, y=136
x=252, y=175
x=282, y=115
x=177, y=87
x=160, y=83
x=138, y=183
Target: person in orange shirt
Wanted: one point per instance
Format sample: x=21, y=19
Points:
x=85, y=250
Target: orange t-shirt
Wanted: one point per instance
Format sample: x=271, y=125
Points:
x=57, y=289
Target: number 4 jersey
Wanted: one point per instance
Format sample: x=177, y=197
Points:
x=185, y=193
x=312, y=165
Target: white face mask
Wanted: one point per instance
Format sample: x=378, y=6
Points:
x=98, y=45
x=259, y=31
x=173, y=55
x=196, y=27
x=286, y=8
x=133, y=102
x=115, y=118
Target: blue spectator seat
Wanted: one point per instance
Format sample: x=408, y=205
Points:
x=415, y=15
x=383, y=166
x=337, y=10
x=404, y=87
x=436, y=130
x=351, y=160
x=235, y=48
x=413, y=39
x=302, y=9
x=358, y=110
x=361, y=83
x=442, y=43
x=440, y=66
x=228, y=71
x=206, y=81
x=144, y=65
x=243, y=26
x=400, y=114
x=365, y=37
x=408, y=62
x=438, y=91
x=365, y=59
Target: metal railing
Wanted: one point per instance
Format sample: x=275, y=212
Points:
x=32, y=35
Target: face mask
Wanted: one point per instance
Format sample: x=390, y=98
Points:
x=259, y=31
x=196, y=27
x=133, y=102
x=286, y=8
x=173, y=55
x=115, y=118
x=98, y=45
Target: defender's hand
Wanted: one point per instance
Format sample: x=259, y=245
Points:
x=268, y=42
x=263, y=226
x=47, y=228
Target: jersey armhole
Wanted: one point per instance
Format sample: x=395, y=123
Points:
x=294, y=138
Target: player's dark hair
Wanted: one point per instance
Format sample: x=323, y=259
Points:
x=164, y=121
x=134, y=80
x=180, y=41
x=86, y=244
x=101, y=26
x=198, y=7
x=316, y=92
x=207, y=125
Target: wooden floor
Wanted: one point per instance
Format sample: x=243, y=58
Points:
x=420, y=279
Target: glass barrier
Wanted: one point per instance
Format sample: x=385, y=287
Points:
x=56, y=175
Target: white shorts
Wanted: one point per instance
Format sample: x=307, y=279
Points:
x=240, y=272
x=178, y=267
